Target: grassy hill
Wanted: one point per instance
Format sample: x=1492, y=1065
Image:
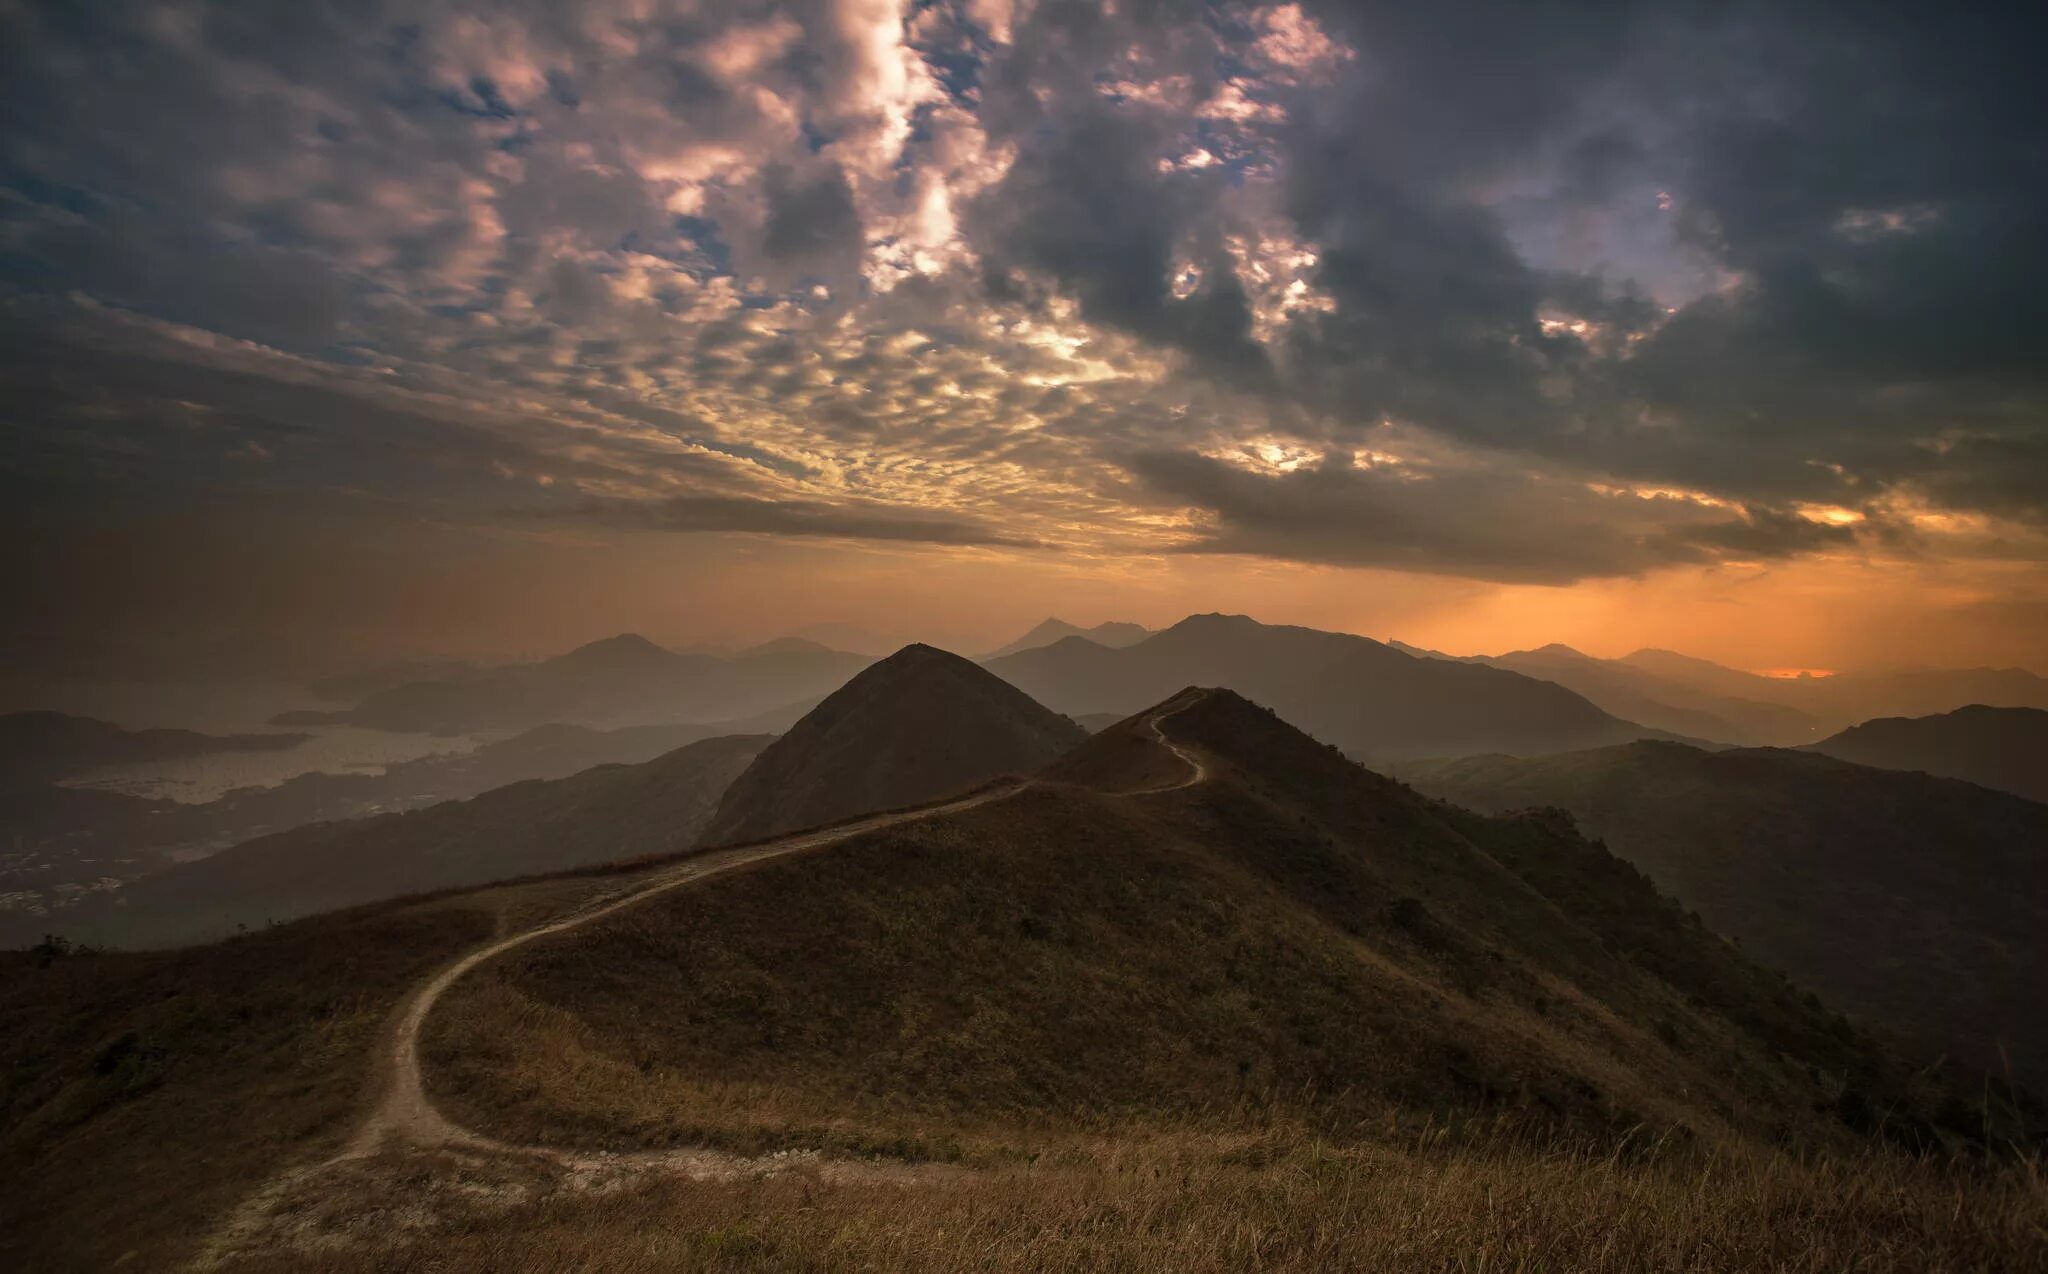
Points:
x=1295, y=940
x=2005, y=748
x=1294, y=1017
x=919, y=725
x=1911, y=901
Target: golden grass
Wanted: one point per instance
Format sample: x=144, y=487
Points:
x=1200, y=1202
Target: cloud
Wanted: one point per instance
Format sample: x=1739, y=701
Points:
x=847, y=267
x=856, y=520
x=1483, y=522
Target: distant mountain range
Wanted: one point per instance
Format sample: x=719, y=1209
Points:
x=1368, y=698
x=38, y=747
x=1845, y=699
x=618, y=681
x=1707, y=701
x=918, y=725
x=2005, y=748
x=1638, y=694
x=1112, y=634
x=1913, y=901
x=601, y=815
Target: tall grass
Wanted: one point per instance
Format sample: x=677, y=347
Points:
x=1198, y=1202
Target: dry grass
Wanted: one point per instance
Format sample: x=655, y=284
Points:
x=1200, y=1203
x=143, y=1094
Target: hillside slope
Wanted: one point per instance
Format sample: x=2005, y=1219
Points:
x=2005, y=748
x=919, y=725
x=1291, y=938
x=1912, y=901
x=1373, y=701
x=605, y=814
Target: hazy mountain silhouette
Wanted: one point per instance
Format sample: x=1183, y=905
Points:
x=1110, y=948
x=2005, y=748
x=1367, y=698
x=61, y=846
x=605, y=814
x=1638, y=694
x=39, y=746
x=1913, y=901
x=1843, y=700
x=360, y=683
x=1112, y=634
x=918, y=725
x=620, y=680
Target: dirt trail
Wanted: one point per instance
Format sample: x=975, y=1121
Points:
x=404, y=1117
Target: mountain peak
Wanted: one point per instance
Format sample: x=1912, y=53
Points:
x=623, y=646
x=919, y=725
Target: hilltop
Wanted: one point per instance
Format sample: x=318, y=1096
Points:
x=1375, y=702
x=2005, y=748
x=1913, y=902
x=918, y=725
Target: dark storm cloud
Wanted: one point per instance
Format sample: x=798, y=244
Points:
x=810, y=219
x=1485, y=523
x=852, y=520
x=830, y=268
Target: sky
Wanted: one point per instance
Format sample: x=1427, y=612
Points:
x=332, y=331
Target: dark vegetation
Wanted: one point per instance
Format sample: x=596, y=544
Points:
x=2005, y=748
x=142, y=1094
x=1912, y=902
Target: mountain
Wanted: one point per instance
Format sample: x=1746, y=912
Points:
x=1288, y=1016
x=2005, y=748
x=1911, y=901
x=1636, y=693
x=602, y=815
x=919, y=725
x=1373, y=701
x=41, y=746
x=361, y=683
x=1111, y=634
x=1838, y=701
x=60, y=847
x=1129, y=946
x=618, y=681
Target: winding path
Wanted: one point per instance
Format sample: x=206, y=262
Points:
x=404, y=1116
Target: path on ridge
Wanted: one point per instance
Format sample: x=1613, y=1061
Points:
x=405, y=1115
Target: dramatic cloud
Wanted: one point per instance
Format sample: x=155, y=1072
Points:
x=1484, y=290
